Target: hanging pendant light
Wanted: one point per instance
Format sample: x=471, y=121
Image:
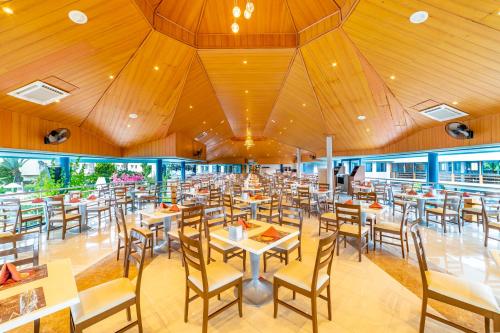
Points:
x=250, y=7
x=236, y=10
x=235, y=27
x=247, y=14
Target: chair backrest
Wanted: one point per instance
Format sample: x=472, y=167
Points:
x=10, y=214
x=304, y=195
x=404, y=216
x=20, y=249
x=121, y=225
x=192, y=255
x=419, y=249
x=452, y=201
x=324, y=257
x=55, y=206
x=292, y=216
x=192, y=217
x=323, y=186
x=75, y=194
x=237, y=190
x=119, y=192
x=348, y=214
x=215, y=197
x=216, y=218
x=136, y=253
x=366, y=196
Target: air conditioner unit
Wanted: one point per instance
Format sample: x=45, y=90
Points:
x=40, y=93
x=443, y=112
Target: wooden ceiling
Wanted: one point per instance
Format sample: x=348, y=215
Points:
x=296, y=72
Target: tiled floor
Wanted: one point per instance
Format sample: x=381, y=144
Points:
x=380, y=294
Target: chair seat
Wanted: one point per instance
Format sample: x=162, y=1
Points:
x=236, y=212
x=6, y=233
x=152, y=222
x=188, y=232
x=387, y=226
x=472, y=210
x=353, y=229
x=241, y=206
x=440, y=211
x=218, y=274
x=122, y=201
x=265, y=206
x=288, y=245
x=470, y=292
x=495, y=225
x=101, y=298
x=221, y=245
x=98, y=208
x=300, y=274
x=329, y=216
x=147, y=232
x=59, y=217
x=31, y=217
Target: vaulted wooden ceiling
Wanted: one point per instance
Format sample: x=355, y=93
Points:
x=297, y=70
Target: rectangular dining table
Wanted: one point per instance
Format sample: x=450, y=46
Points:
x=253, y=203
x=166, y=216
x=58, y=288
x=257, y=291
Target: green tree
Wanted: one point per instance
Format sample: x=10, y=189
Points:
x=77, y=174
x=146, y=170
x=105, y=170
x=10, y=170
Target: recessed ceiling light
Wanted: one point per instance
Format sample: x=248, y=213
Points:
x=8, y=10
x=454, y=103
x=57, y=100
x=281, y=133
x=128, y=125
x=111, y=77
x=368, y=130
x=334, y=64
x=156, y=68
x=222, y=121
x=78, y=17
x=190, y=106
x=273, y=121
x=133, y=116
x=246, y=91
x=392, y=77
x=361, y=117
x=245, y=62
x=204, y=122
x=291, y=120
x=304, y=104
x=284, y=128
x=211, y=129
x=419, y=17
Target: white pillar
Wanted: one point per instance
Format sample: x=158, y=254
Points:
x=299, y=172
x=329, y=162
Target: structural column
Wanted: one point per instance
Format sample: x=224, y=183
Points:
x=432, y=167
x=65, y=169
x=299, y=167
x=282, y=169
x=159, y=170
x=329, y=163
x=183, y=171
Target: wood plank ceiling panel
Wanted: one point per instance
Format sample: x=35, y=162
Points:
x=150, y=86
x=199, y=110
x=344, y=93
x=39, y=42
x=184, y=13
x=306, y=13
x=247, y=91
x=448, y=59
x=297, y=118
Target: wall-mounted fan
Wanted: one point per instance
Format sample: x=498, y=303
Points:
x=198, y=153
x=57, y=136
x=312, y=156
x=459, y=131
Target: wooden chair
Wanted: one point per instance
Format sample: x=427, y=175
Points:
x=305, y=201
x=349, y=225
x=100, y=207
x=59, y=218
x=216, y=220
x=26, y=216
x=207, y=281
x=190, y=223
x=151, y=197
x=308, y=280
x=231, y=211
x=121, y=198
x=455, y=291
x=214, y=198
x=290, y=216
x=393, y=231
x=328, y=219
x=449, y=212
x=124, y=233
x=270, y=212
x=490, y=223
x=10, y=217
x=104, y=300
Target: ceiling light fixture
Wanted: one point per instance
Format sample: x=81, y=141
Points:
x=235, y=27
x=246, y=91
x=190, y=106
x=334, y=64
x=8, y=10
x=249, y=143
x=128, y=125
x=361, y=117
x=78, y=17
x=454, y=103
x=247, y=14
x=156, y=68
x=133, y=116
x=57, y=100
x=419, y=17
x=111, y=77
x=392, y=77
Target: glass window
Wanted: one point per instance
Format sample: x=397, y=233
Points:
x=381, y=167
x=369, y=167
x=472, y=167
x=445, y=166
x=420, y=167
x=491, y=167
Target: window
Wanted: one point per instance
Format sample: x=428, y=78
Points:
x=420, y=167
x=491, y=167
x=472, y=167
x=445, y=166
x=369, y=167
x=381, y=167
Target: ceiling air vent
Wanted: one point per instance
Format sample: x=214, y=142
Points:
x=201, y=136
x=443, y=112
x=39, y=92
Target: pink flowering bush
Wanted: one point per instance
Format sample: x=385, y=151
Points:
x=127, y=177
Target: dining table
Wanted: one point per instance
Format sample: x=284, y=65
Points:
x=45, y=289
x=253, y=202
x=257, y=291
x=167, y=216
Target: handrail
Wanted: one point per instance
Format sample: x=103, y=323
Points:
x=447, y=184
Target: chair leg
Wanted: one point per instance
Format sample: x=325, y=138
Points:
x=118, y=250
x=314, y=313
x=240, y=298
x=244, y=261
x=275, y=298
x=360, y=239
x=139, y=318
x=265, y=262
x=129, y=315
x=402, y=246
x=329, y=300
x=423, y=314
x=487, y=324
x=205, y=316
x=64, y=230
x=186, y=305
x=36, y=328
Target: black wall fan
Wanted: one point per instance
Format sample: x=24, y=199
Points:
x=459, y=131
x=57, y=136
